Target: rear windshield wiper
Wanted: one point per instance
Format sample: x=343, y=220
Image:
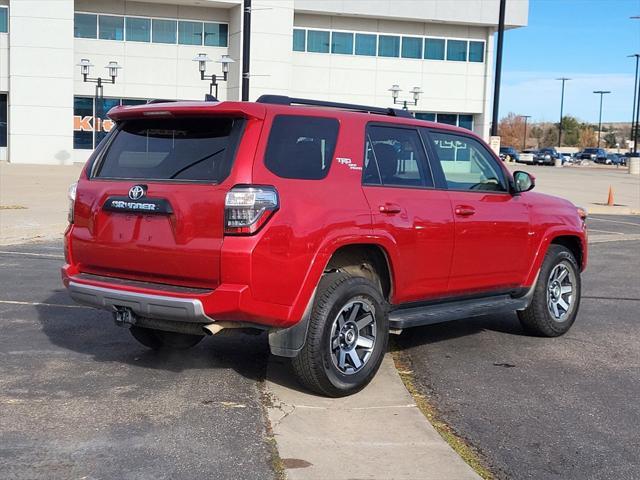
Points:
x=196, y=162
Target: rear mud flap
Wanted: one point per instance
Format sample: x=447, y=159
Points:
x=287, y=342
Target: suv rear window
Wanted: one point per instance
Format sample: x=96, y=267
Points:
x=188, y=149
x=301, y=147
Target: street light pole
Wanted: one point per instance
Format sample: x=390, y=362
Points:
x=524, y=140
x=562, y=79
x=634, y=121
x=496, y=85
x=602, y=93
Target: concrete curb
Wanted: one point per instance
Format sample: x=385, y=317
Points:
x=379, y=433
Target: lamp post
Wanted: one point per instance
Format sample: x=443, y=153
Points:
x=634, y=114
x=524, y=140
x=202, y=59
x=395, y=91
x=601, y=93
x=498, y=77
x=562, y=79
x=85, y=68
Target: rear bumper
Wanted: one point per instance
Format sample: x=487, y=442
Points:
x=142, y=304
x=227, y=302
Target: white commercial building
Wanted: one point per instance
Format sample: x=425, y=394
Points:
x=342, y=50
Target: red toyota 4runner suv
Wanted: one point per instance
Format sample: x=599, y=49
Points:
x=327, y=225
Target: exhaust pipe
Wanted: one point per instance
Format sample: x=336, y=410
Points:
x=212, y=329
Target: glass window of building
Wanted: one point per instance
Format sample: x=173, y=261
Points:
x=388, y=46
x=189, y=33
x=85, y=25
x=465, y=121
x=111, y=27
x=299, y=40
x=434, y=48
x=101, y=123
x=133, y=101
x=366, y=44
x=216, y=34
x=164, y=31
x=448, y=118
x=476, y=52
x=83, y=123
x=138, y=29
x=4, y=19
x=3, y=120
x=342, y=42
x=317, y=41
x=431, y=117
x=457, y=50
x=411, y=47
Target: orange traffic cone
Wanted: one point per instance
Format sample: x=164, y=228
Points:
x=610, y=201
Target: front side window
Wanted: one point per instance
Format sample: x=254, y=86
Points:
x=395, y=157
x=457, y=50
x=138, y=29
x=467, y=164
x=342, y=42
x=366, y=44
x=216, y=34
x=388, y=46
x=299, y=40
x=164, y=31
x=411, y=47
x=317, y=41
x=85, y=25
x=301, y=147
x=189, y=33
x=195, y=149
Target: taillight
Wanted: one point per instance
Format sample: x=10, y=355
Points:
x=247, y=208
x=72, y=199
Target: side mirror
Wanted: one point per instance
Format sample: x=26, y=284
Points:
x=523, y=181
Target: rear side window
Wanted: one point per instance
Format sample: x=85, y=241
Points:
x=301, y=147
x=188, y=149
x=395, y=156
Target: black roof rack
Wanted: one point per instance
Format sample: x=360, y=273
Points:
x=284, y=100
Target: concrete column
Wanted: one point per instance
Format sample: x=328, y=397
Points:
x=235, y=51
x=41, y=81
x=271, y=47
x=482, y=126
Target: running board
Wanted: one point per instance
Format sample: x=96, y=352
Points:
x=455, y=310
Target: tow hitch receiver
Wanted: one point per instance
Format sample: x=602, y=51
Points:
x=124, y=316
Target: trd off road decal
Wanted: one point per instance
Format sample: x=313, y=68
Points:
x=348, y=162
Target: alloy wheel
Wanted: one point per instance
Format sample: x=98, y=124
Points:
x=353, y=336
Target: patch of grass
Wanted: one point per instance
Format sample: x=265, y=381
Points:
x=276, y=462
x=12, y=207
x=467, y=452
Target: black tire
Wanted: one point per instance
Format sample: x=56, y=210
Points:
x=316, y=366
x=159, y=339
x=539, y=318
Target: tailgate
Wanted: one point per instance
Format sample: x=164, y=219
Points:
x=152, y=208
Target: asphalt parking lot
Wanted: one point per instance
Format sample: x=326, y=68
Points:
x=80, y=398
x=563, y=408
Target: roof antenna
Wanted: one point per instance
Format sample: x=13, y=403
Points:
x=210, y=98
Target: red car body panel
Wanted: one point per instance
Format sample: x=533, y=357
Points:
x=269, y=278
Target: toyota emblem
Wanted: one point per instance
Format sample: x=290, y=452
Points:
x=137, y=192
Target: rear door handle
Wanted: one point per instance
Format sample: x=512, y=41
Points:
x=464, y=210
x=390, y=208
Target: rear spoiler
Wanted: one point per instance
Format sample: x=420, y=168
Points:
x=187, y=109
